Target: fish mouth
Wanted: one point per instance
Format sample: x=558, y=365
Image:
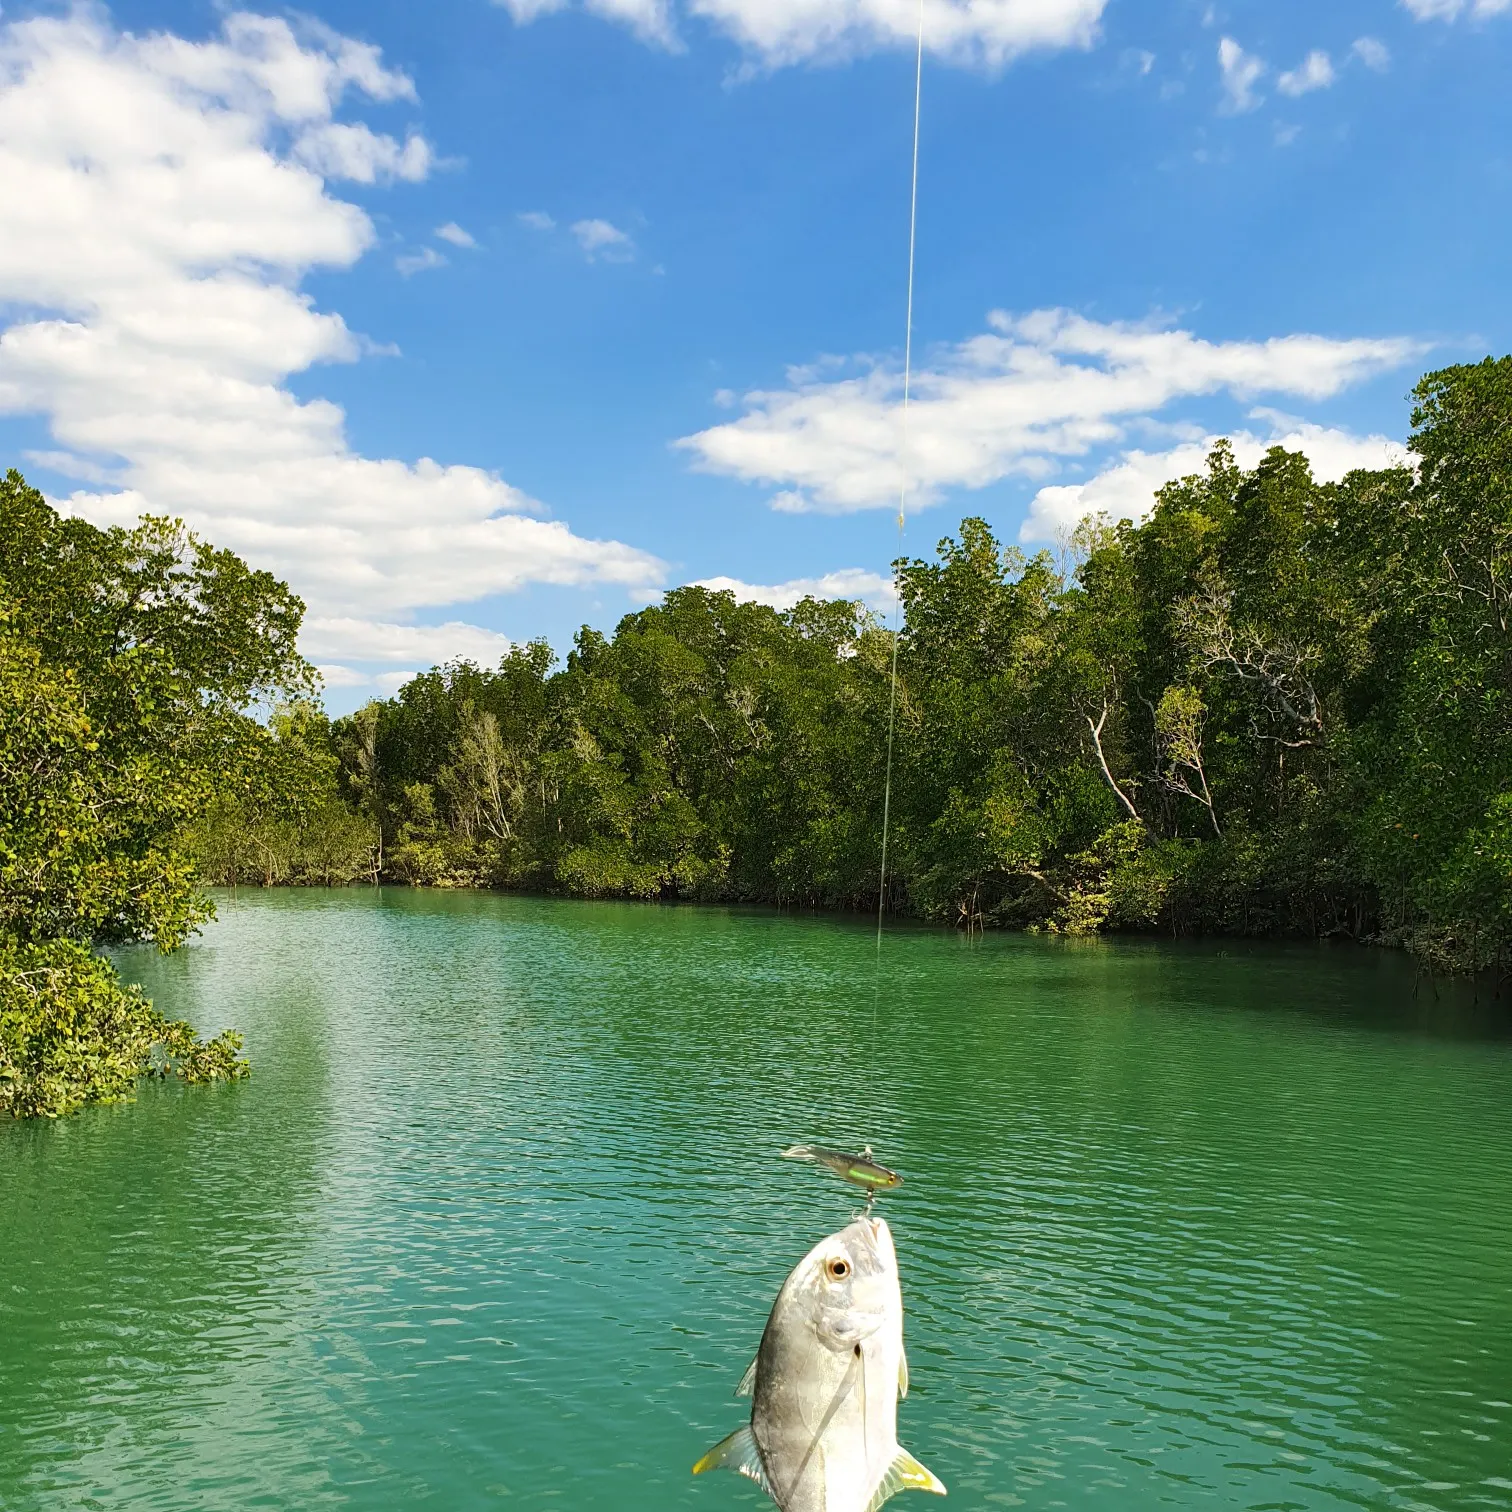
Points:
x=881, y=1238
x=870, y=1244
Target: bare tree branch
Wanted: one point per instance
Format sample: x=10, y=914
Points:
x=1096, y=727
x=1277, y=671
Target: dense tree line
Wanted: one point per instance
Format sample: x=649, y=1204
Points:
x=1275, y=706
x=132, y=664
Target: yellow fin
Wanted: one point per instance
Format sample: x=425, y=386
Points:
x=902, y=1375
x=905, y=1474
x=739, y=1453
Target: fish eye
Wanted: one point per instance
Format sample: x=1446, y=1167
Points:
x=838, y=1268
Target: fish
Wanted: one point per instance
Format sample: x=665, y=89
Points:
x=860, y=1170
x=824, y=1386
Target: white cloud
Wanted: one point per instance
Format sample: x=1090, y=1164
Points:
x=1315, y=71
x=1451, y=10
x=1029, y=392
x=871, y=588
x=537, y=220
x=794, y=501
x=651, y=20
x=774, y=33
x=983, y=32
x=1374, y=54
x=1241, y=72
x=1126, y=489
x=342, y=150
x=453, y=233
x=601, y=240
x=525, y=11
x=343, y=638
x=336, y=676
x=164, y=200
x=70, y=466
x=419, y=262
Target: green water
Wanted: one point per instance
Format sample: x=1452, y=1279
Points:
x=496, y=1220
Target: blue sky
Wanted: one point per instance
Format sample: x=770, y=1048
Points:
x=484, y=320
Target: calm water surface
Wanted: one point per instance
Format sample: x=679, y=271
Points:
x=497, y=1218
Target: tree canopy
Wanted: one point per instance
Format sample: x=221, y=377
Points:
x=132, y=664
x=1273, y=706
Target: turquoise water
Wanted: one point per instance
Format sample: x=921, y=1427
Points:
x=497, y=1221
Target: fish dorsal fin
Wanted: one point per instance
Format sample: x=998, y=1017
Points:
x=905, y=1474
x=748, y=1380
x=902, y=1374
x=739, y=1453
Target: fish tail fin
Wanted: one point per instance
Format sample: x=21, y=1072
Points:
x=739, y=1453
x=905, y=1474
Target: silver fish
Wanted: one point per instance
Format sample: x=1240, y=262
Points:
x=823, y=1435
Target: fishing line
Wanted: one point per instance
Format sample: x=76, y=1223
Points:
x=892, y=690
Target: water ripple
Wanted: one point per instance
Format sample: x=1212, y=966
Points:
x=498, y=1217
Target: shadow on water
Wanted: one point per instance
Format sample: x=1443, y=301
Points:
x=498, y=1217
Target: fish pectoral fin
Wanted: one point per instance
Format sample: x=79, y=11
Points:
x=739, y=1453
x=902, y=1375
x=905, y=1474
x=748, y=1380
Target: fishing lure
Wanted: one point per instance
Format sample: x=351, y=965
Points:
x=860, y=1170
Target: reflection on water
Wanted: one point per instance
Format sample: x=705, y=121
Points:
x=498, y=1217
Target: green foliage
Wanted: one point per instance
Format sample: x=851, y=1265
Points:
x=128, y=662
x=1093, y=878
x=287, y=821
x=71, y=1033
x=131, y=662
x=1274, y=706
x=324, y=844
x=1146, y=878
x=81, y=828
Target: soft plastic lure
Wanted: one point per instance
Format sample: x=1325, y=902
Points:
x=860, y=1170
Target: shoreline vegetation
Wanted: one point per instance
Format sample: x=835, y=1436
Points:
x=1276, y=707
x=131, y=666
